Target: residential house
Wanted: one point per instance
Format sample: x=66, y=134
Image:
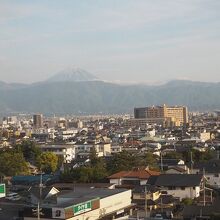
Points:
x=137, y=176
x=211, y=170
x=177, y=170
x=179, y=185
x=146, y=195
x=165, y=164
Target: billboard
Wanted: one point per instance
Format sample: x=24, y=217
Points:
x=2, y=190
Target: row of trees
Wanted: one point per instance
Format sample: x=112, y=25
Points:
x=16, y=161
x=195, y=155
x=100, y=168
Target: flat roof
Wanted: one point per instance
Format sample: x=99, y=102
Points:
x=83, y=194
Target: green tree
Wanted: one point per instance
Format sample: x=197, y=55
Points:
x=30, y=151
x=100, y=171
x=151, y=160
x=85, y=174
x=202, y=156
x=173, y=155
x=60, y=161
x=187, y=201
x=47, y=162
x=125, y=161
x=94, y=160
x=70, y=175
x=120, y=161
x=197, y=155
x=95, y=172
x=13, y=163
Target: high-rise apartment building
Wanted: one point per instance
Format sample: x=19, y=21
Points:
x=38, y=120
x=176, y=115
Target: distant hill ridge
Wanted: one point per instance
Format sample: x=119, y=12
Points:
x=83, y=93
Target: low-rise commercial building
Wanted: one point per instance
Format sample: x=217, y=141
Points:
x=84, y=203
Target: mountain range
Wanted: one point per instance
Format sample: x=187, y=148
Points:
x=76, y=91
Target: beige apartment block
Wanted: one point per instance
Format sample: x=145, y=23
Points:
x=170, y=115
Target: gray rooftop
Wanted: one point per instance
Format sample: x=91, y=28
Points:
x=82, y=194
x=176, y=180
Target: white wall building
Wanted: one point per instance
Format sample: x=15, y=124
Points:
x=67, y=151
x=101, y=149
x=179, y=185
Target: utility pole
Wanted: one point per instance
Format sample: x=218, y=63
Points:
x=145, y=204
x=38, y=210
x=200, y=213
x=218, y=154
x=40, y=196
x=191, y=162
x=137, y=215
x=161, y=160
x=161, y=205
x=204, y=187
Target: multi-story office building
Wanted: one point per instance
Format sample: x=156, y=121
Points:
x=169, y=115
x=38, y=120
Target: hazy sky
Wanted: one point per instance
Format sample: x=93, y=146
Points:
x=117, y=40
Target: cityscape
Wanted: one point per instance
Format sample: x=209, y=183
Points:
x=109, y=110
x=161, y=162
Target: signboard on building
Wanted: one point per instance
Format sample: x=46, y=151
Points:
x=82, y=207
x=2, y=190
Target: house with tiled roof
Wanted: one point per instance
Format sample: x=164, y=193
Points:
x=137, y=176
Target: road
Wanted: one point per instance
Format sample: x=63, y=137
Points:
x=9, y=210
